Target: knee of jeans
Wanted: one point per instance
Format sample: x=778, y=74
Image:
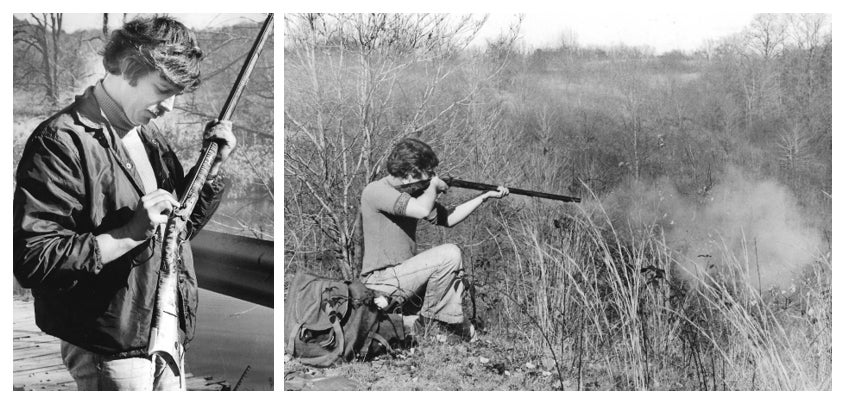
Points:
x=452, y=254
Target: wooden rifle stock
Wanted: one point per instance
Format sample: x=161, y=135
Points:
x=164, y=335
x=416, y=188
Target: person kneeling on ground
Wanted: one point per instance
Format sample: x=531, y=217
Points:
x=389, y=217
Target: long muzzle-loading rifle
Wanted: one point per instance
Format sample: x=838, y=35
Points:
x=416, y=188
x=164, y=336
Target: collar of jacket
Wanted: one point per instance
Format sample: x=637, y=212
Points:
x=87, y=113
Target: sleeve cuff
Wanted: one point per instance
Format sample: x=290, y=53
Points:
x=401, y=204
x=96, y=256
x=215, y=185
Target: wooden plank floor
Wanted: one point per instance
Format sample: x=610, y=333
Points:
x=38, y=362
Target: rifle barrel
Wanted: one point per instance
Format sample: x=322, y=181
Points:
x=164, y=332
x=484, y=186
x=209, y=150
x=246, y=70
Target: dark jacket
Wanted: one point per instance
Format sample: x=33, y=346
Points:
x=75, y=180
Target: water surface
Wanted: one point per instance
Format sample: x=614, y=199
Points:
x=230, y=335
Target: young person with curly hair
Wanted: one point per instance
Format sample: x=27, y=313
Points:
x=94, y=185
x=391, y=264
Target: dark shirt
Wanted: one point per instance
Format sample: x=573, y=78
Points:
x=74, y=181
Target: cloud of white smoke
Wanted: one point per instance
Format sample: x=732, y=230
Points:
x=757, y=223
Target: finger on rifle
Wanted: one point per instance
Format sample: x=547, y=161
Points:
x=155, y=193
x=212, y=133
x=159, y=219
x=159, y=196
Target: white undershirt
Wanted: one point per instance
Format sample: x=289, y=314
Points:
x=135, y=148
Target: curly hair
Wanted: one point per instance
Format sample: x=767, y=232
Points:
x=411, y=157
x=160, y=43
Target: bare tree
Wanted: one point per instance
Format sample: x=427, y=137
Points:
x=744, y=57
x=767, y=34
x=763, y=41
x=809, y=33
x=44, y=38
x=807, y=30
x=792, y=147
x=633, y=104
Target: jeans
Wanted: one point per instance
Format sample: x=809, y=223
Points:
x=438, y=271
x=93, y=371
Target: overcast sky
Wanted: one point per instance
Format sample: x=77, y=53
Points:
x=663, y=32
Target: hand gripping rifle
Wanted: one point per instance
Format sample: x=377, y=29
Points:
x=164, y=336
x=415, y=189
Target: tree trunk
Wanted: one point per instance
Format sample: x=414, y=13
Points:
x=636, y=151
x=56, y=33
x=46, y=68
x=106, y=25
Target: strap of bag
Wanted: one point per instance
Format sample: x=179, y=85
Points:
x=383, y=342
x=294, y=333
x=373, y=335
x=365, y=349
